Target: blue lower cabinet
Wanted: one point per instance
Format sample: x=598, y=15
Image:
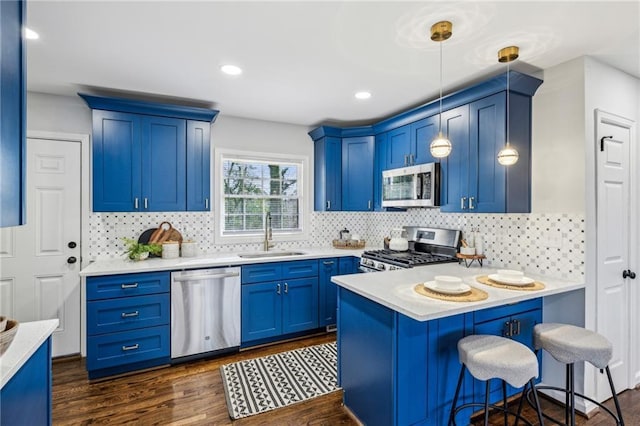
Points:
x=115, y=349
x=128, y=319
x=327, y=291
x=278, y=299
x=128, y=313
x=261, y=310
x=300, y=305
x=26, y=398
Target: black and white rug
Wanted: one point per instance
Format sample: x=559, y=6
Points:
x=262, y=384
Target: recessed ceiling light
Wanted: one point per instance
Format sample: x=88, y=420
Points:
x=30, y=34
x=363, y=95
x=231, y=69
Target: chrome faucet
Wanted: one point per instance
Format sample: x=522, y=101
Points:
x=268, y=232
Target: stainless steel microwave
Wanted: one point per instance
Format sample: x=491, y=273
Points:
x=414, y=186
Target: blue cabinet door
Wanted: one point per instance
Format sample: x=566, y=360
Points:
x=487, y=177
x=198, y=165
x=455, y=167
x=357, y=173
x=164, y=150
x=327, y=174
x=261, y=310
x=117, y=156
x=422, y=133
x=328, y=291
x=13, y=99
x=300, y=305
x=399, y=147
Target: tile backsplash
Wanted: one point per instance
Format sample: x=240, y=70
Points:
x=547, y=243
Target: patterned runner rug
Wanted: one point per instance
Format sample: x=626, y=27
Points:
x=263, y=384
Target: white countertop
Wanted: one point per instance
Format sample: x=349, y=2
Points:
x=126, y=266
x=394, y=289
x=27, y=340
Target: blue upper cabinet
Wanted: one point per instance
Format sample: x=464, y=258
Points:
x=117, y=161
x=455, y=172
x=422, y=133
x=198, y=165
x=475, y=121
x=357, y=173
x=149, y=157
x=12, y=114
x=328, y=174
x=398, y=147
x=164, y=151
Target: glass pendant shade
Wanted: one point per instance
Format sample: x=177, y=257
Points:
x=441, y=147
x=508, y=155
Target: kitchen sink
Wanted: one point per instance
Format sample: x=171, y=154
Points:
x=262, y=254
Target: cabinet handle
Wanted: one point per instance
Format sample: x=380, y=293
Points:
x=328, y=262
x=406, y=160
x=369, y=205
x=125, y=286
x=517, y=324
x=146, y=203
x=286, y=288
x=507, y=331
x=130, y=348
x=278, y=289
x=206, y=203
x=328, y=204
x=135, y=203
x=129, y=314
x=471, y=205
x=463, y=200
x=412, y=160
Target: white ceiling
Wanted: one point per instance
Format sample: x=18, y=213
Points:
x=303, y=61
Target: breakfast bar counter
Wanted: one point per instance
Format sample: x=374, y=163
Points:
x=397, y=349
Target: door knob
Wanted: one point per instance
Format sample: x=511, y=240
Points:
x=629, y=274
x=72, y=259
x=72, y=244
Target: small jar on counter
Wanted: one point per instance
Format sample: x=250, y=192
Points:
x=170, y=250
x=189, y=249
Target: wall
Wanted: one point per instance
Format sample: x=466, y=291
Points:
x=64, y=114
x=558, y=172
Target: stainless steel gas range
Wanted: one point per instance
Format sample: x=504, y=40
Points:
x=427, y=246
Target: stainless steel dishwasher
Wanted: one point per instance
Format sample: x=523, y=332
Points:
x=205, y=311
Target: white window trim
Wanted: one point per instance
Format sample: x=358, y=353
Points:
x=218, y=195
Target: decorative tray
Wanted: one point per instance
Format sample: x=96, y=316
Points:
x=348, y=244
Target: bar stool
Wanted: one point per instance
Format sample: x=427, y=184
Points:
x=569, y=344
x=493, y=357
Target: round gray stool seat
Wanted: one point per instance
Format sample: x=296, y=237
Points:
x=493, y=357
x=569, y=344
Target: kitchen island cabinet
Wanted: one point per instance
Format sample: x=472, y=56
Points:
x=397, y=359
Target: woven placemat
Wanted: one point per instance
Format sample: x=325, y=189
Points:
x=474, y=295
x=536, y=285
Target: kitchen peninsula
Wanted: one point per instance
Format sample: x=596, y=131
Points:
x=397, y=349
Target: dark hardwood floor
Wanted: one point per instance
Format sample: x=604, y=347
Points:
x=192, y=394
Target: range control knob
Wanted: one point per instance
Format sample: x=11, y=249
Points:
x=382, y=266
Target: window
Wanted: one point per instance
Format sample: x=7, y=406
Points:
x=251, y=185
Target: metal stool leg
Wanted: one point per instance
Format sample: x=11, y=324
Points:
x=619, y=421
x=567, y=397
x=455, y=397
x=573, y=396
x=504, y=402
x=486, y=403
x=537, y=401
x=522, y=397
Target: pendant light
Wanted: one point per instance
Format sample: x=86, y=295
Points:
x=440, y=146
x=508, y=155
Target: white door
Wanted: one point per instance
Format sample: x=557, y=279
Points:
x=39, y=277
x=613, y=222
